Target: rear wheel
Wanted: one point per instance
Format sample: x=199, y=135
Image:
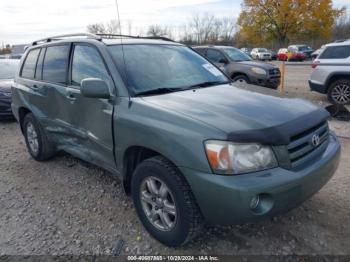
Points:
x=164, y=202
x=339, y=92
x=38, y=145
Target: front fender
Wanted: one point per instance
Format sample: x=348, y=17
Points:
x=176, y=137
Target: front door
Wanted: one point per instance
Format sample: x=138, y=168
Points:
x=90, y=118
x=217, y=58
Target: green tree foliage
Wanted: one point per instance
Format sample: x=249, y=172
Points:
x=282, y=21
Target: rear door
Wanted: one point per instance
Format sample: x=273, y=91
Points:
x=90, y=118
x=29, y=88
x=54, y=82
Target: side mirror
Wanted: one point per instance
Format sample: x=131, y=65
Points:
x=223, y=61
x=94, y=88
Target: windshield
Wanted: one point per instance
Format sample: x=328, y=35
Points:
x=236, y=55
x=150, y=67
x=262, y=50
x=8, y=68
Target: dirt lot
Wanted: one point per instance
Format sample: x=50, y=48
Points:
x=65, y=206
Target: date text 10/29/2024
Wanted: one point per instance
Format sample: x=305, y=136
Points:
x=173, y=258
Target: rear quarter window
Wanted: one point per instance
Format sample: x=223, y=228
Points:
x=56, y=64
x=28, y=69
x=336, y=52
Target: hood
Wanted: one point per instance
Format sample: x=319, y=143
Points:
x=244, y=115
x=5, y=85
x=263, y=65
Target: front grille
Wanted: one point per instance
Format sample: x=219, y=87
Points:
x=301, y=145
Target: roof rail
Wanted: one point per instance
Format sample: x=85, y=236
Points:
x=97, y=37
x=136, y=37
x=59, y=37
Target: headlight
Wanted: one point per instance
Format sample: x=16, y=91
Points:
x=236, y=158
x=258, y=71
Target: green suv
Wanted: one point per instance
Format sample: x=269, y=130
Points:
x=189, y=147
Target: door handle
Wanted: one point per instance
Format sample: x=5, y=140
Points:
x=71, y=97
x=35, y=87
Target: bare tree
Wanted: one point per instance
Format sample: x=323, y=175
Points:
x=158, y=30
x=96, y=28
x=202, y=26
x=341, y=28
x=208, y=29
x=130, y=28
x=111, y=27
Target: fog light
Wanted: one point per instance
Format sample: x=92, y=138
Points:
x=254, y=203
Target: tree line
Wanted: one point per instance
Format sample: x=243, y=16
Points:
x=269, y=23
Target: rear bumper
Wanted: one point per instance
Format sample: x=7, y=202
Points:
x=317, y=87
x=5, y=108
x=226, y=200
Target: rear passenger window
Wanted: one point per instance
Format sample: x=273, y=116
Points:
x=336, y=52
x=56, y=64
x=87, y=63
x=39, y=65
x=28, y=68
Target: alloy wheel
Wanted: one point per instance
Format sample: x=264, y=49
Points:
x=341, y=94
x=158, y=203
x=32, y=138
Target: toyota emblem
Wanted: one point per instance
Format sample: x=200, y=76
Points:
x=315, y=140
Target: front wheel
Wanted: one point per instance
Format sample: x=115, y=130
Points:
x=164, y=202
x=242, y=79
x=339, y=92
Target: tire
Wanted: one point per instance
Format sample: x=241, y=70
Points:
x=339, y=92
x=186, y=223
x=38, y=145
x=240, y=79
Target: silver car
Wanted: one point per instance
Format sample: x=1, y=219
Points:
x=331, y=73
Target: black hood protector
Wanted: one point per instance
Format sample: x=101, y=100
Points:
x=280, y=135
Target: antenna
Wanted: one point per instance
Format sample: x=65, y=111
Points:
x=121, y=42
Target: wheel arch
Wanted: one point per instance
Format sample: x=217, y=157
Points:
x=336, y=76
x=133, y=156
x=22, y=112
x=238, y=73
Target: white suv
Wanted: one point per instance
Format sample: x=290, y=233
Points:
x=260, y=54
x=331, y=73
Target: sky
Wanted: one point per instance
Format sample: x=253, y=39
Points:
x=24, y=21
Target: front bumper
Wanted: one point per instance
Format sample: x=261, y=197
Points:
x=270, y=82
x=226, y=200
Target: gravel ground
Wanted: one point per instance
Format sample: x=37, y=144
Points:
x=66, y=206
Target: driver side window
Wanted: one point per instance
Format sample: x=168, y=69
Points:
x=87, y=63
x=215, y=56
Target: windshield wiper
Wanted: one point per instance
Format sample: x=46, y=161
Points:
x=158, y=91
x=209, y=83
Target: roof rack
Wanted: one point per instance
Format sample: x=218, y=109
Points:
x=59, y=37
x=97, y=37
x=135, y=37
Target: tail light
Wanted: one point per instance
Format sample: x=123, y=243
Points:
x=315, y=64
